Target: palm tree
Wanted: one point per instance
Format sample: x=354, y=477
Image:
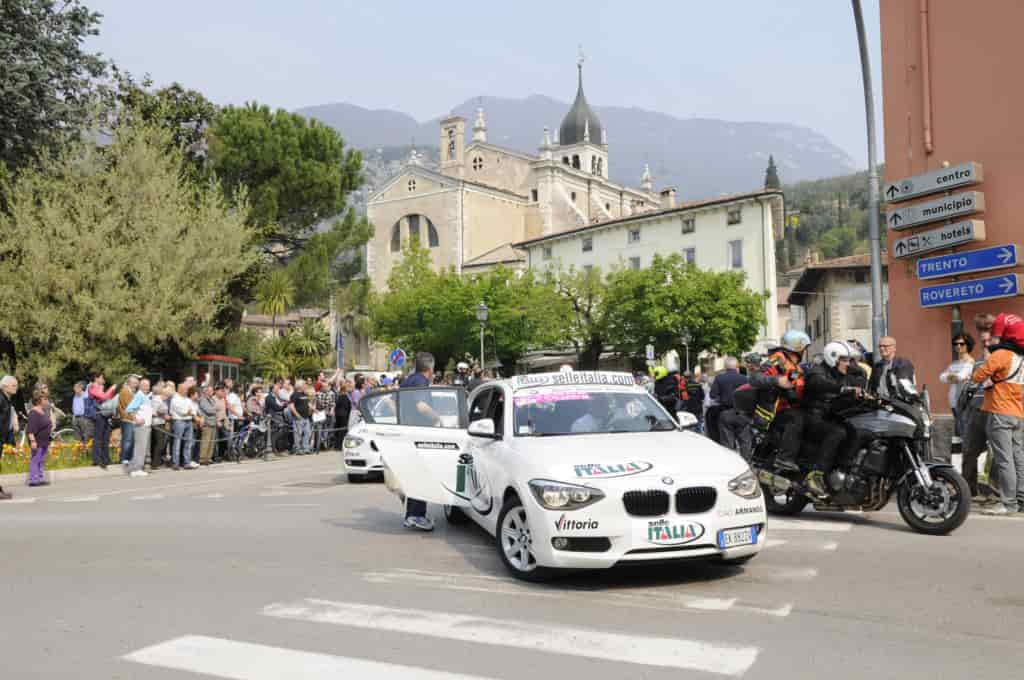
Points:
x=311, y=339
x=275, y=294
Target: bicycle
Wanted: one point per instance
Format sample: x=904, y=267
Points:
x=250, y=441
x=64, y=435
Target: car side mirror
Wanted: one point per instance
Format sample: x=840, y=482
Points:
x=686, y=420
x=483, y=428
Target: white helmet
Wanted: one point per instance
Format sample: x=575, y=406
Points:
x=795, y=341
x=462, y=366
x=834, y=351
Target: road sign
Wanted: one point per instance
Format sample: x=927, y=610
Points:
x=962, y=292
x=397, y=357
x=947, y=207
x=968, y=262
x=953, y=177
x=966, y=231
x=649, y=352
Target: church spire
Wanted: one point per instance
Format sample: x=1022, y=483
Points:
x=645, y=180
x=771, y=175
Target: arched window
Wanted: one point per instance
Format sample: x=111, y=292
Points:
x=576, y=161
x=432, y=239
x=396, y=237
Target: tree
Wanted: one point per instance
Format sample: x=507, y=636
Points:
x=671, y=298
x=329, y=260
x=311, y=339
x=48, y=82
x=838, y=242
x=111, y=252
x=281, y=358
x=275, y=294
x=586, y=326
x=296, y=172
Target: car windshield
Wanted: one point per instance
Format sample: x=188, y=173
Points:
x=549, y=412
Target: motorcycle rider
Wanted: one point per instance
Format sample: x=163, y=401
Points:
x=780, y=385
x=825, y=382
x=666, y=389
x=461, y=377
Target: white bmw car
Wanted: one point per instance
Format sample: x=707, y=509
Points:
x=571, y=470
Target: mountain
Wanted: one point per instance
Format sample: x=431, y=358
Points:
x=700, y=157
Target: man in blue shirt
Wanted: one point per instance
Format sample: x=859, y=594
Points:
x=722, y=390
x=415, y=509
x=82, y=425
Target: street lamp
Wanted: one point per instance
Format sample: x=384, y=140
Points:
x=685, y=339
x=481, y=316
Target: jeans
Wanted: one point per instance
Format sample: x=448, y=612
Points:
x=101, y=441
x=734, y=427
x=35, y=465
x=181, y=447
x=303, y=434
x=127, y=440
x=140, y=447
x=1006, y=439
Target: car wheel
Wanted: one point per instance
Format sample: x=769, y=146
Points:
x=515, y=543
x=355, y=479
x=455, y=516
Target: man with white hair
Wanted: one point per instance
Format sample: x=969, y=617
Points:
x=8, y=418
x=722, y=390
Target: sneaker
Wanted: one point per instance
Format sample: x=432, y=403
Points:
x=1000, y=510
x=139, y=473
x=815, y=483
x=421, y=523
x=192, y=465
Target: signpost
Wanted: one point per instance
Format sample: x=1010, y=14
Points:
x=975, y=290
x=953, y=234
x=968, y=262
x=944, y=179
x=945, y=208
x=397, y=357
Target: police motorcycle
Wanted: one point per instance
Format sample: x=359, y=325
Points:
x=887, y=451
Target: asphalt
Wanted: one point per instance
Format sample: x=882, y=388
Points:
x=284, y=570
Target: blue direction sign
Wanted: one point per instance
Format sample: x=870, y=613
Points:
x=967, y=262
x=975, y=290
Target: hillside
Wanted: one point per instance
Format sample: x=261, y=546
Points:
x=700, y=157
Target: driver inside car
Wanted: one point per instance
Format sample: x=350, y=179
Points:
x=825, y=383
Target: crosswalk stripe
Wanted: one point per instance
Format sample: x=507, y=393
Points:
x=148, y=497
x=247, y=661
x=271, y=494
x=79, y=499
x=212, y=495
x=18, y=501
x=808, y=525
x=641, y=599
x=635, y=649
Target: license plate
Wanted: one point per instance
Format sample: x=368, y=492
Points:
x=732, y=538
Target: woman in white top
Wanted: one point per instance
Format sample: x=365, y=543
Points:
x=958, y=373
x=182, y=411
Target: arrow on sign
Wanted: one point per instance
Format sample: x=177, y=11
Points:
x=891, y=191
x=1007, y=285
x=1005, y=255
x=895, y=218
x=901, y=247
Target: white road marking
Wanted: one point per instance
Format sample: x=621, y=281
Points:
x=247, y=661
x=808, y=525
x=657, y=598
x=775, y=542
x=779, y=542
x=293, y=505
x=636, y=649
x=79, y=499
x=270, y=494
x=148, y=497
x=780, y=575
x=14, y=501
x=212, y=495
x=830, y=546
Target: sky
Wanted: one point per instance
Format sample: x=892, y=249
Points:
x=792, y=61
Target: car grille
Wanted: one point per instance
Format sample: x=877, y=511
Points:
x=695, y=499
x=648, y=503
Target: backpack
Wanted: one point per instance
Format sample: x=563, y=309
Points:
x=109, y=408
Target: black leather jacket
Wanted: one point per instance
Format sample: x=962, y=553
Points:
x=824, y=385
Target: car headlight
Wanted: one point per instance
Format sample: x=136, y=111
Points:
x=745, y=485
x=561, y=496
x=352, y=442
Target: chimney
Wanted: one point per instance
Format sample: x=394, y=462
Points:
x=668, y=197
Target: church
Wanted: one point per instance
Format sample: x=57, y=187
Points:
x=488, y=205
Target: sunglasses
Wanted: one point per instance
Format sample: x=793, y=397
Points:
x=959, y=344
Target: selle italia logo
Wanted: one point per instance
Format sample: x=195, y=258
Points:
x=663, y=532
x=595, y=470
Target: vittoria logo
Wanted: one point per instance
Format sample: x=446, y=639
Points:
x=594, y=470
x=663, y=532
x=566, y=524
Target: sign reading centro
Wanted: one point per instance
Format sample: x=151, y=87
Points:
x=943, y=179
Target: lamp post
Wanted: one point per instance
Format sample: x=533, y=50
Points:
x=481, y=316
x=685, y=339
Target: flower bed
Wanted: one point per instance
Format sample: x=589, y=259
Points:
x=62, y=455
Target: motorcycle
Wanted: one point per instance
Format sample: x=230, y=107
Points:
x=887, y=451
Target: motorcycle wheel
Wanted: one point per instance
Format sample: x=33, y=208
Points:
x=785, y=504
x=939, y=510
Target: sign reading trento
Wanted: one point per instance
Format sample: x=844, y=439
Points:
x=967, y=262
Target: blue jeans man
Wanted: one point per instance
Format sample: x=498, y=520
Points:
x=127, y=441
x=303, y=435
x=181, y=448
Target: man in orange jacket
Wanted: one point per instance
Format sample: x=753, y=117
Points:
x=780, y=384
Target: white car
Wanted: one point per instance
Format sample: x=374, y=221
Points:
x=360, y=450
x=572, y=470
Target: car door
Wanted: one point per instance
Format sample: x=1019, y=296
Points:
x=423, y=443
x=486, y=403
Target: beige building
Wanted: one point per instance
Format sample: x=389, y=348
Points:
x=834, y=298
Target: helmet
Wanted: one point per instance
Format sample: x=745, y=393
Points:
x=462, y=366
x=795, y=341
x=660, y=372
x=752, y=359
x=834, y=351
x=1009, y=327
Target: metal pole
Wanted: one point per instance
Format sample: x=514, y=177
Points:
x=877, y=315
x=481, y=345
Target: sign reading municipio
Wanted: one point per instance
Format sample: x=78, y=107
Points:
x=947, y=207
x=943, y=179
x=957, y=233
